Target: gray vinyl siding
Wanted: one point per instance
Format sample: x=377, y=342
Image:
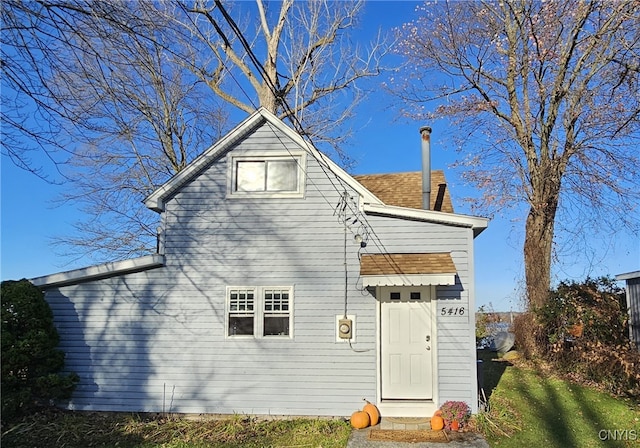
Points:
x=155, y=341
x=456, y=361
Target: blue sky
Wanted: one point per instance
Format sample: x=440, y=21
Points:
x=383, y=143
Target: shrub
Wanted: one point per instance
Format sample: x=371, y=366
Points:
x=30, y=360
x=528, y=334
x=601, y=350
x=455, y=410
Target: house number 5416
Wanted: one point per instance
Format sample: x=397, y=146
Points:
x=451, y=311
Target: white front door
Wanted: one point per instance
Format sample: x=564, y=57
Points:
x=405, y=343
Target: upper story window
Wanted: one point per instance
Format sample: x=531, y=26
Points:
x=272, y=176
x=267, y=175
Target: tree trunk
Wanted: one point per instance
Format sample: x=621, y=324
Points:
x=538, y=246
x=267, y=99
x=537, y=253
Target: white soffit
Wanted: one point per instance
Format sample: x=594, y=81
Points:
x=409, y=280
x=476, y=223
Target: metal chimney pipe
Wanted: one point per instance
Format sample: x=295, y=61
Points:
x=425, y=133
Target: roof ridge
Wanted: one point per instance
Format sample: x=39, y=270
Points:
x=395, y=173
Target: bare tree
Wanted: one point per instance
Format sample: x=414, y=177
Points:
x=135, y=89
x=546, y=95
x=99, y=91
x=31, y=121
x=146, y=121
x=294, y=58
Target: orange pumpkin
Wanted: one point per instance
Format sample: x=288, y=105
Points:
x=372, y=410
x=437, y=423
x=437, y=413
x=360, y=419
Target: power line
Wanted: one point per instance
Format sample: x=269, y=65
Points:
x=274, y=90
x=299, y=128
x=278, y=94
x=264, y=75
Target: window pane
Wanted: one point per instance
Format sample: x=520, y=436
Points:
x=250, y=176
x=276, y=325
x=282, y=175
x=250, y=301
x=276, y=301
x=240, y=325
x=415, y=296
x=394, y=296
x=241, y=300
x=233, y=302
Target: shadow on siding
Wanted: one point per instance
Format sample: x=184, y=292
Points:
x=73, y=344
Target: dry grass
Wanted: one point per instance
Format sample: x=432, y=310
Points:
x=69, y=430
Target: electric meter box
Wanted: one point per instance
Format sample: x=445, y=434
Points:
x=345, y=328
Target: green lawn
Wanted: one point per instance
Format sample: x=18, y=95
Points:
x=539, y=410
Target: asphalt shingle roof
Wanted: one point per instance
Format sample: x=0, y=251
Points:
x=392, y=264
x=405, y=189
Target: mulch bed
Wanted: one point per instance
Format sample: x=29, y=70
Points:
x=411, y=436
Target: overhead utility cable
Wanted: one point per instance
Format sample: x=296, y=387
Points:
x=279, y=95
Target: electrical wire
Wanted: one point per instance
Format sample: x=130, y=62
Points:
x=278, y=94
x=310, y=150
x=318, y=155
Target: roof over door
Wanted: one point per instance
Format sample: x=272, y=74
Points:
x=407, y=269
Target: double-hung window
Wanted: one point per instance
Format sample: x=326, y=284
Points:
x=259, y=311
x=241, y=308
x=266, y=176
x=276, y=315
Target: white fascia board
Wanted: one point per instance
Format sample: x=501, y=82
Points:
x=409, y=280
x=367, y=196
x=155, y=201
x=628, y=275
x=321, y=158
x=100, y=271
x=478, y=224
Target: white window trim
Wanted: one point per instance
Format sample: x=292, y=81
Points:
x=257, y=156
x=258, y=312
